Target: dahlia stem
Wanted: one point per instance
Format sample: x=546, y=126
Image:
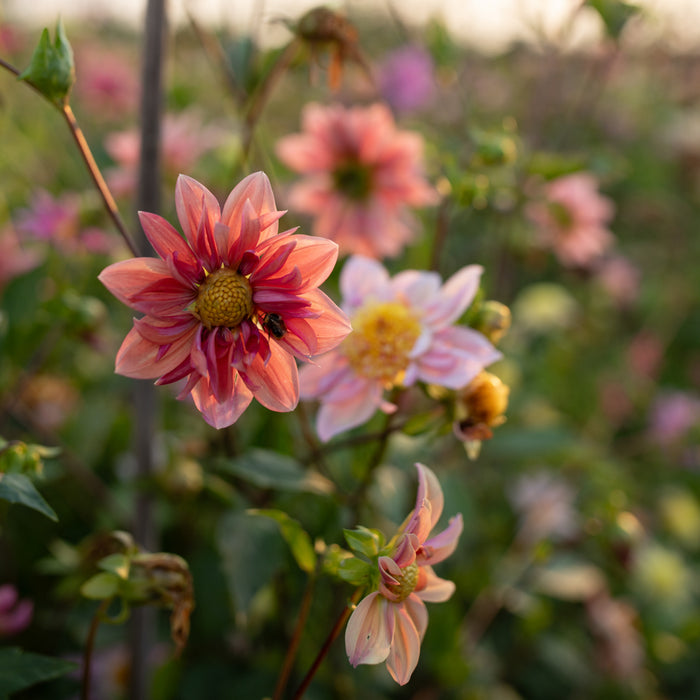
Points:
x=88, y=158
x=89, y=647
x=342, y=619
x=296, y=638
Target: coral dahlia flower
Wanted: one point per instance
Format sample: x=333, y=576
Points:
x=572, y=219
x=403, y=332
x=389, y=624
x=361, y=174
x=228, y=306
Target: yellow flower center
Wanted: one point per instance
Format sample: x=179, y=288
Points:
x=406, y=582
x=383, y=336
x=225, y=298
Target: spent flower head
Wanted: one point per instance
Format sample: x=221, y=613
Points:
x=211, y=297
x=403, y=332
x=360, y=176
x=389, y=624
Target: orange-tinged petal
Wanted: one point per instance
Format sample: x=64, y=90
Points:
x=194, y=202
x=369, y=631
x=221, y=414
x=166, y=241
x=138, y=357
x=405, y=646
x=275, y=384
x=431, y=588
x=439, y=547
x=256, y=188
x=429, y=489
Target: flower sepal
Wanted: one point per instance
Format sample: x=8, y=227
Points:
x=365, y=541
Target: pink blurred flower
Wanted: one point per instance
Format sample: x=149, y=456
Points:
x=14, y=260
x=184, y=140
x=229, y=306
x=360, y=176
x=620, y=279
x=106, y=81
x=389, y=624
x=57, y=221
x=407, y=79
x=572, y=219
x=15, y=614
x=403, y=332
x=673, y=414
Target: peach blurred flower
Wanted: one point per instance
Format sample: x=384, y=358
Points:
x=572, y=218
x=389, y=624
x=360, y=175
x=14, y=259
x=210, y=299
x=403, y=331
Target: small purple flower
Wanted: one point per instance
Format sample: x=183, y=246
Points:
x=15, y=614
x=407, y=79
x=673, y=415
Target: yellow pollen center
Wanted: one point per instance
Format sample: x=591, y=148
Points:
x=225, y=298
x=406, y=582
x=383, y=336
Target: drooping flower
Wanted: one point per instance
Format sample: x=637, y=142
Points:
x=361, y=175
x=389, y=624
x=403, y=332
x=15, y=614
x=210, y=297
x=572, y=219
x=407, y=78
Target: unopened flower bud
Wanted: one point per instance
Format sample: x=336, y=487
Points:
x=493, y=320
x=480, y=406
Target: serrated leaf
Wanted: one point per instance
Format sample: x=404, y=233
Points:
x=363, y=541
x=19, y=670
x=354, y=571
x=267, y=469
x=295, y=536
x=101, y=586
x=17, y=488
x=51, y=70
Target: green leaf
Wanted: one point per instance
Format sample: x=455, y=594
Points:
x=296, y=537
x=615, y=14
x=51, y=70
x=354, y=571
x=101, y=586
x=117, y=564
x=19, y=670
x=17, y=488
x=364, y=541
x=270, y=470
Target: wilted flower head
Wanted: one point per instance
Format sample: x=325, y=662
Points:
x=389, y=624
x=407, y=78
x=184, y=139
x=14, y=260
x=15, y=614
x=229, y=306
x=360, y=176
x=545, y=504
x=572, y=219
x=403, y=332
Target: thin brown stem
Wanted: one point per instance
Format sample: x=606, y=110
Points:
x=96, y=176
x=296, y=638
x=342, y=619
x=89, y=646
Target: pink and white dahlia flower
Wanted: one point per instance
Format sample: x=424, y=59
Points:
x=229, y=306
x=403, y=332
x=360, y=176
x=389, y=624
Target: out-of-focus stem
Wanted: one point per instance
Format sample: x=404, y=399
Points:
x=296, y=638
x=342, y=619
x=142, y=630
x=89, y=646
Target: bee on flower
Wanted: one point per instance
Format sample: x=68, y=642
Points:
x=207, y=295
